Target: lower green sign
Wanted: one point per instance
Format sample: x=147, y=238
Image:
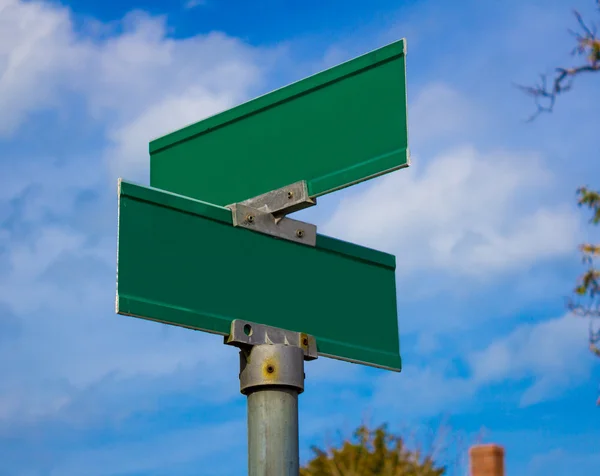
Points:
x=182, y=262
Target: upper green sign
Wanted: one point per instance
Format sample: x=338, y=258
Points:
x=181, y=261
x=334, y=129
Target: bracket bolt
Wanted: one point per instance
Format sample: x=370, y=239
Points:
x=300, y=233
x=290, y=195
x=250, y=218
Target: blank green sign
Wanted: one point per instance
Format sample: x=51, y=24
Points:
x=336, y=128
x=180, y=261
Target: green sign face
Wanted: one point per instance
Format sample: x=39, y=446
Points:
x=334, y=129
x=180, y=261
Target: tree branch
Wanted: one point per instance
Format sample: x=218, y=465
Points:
x=588, y=45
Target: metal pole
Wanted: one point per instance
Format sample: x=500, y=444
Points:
x=272, y=377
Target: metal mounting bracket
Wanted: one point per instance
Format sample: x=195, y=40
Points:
x=283, y=201
x=244, y=334
x=266, y=214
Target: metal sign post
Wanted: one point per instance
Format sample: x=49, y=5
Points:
x=210, y=242
x=272, y=377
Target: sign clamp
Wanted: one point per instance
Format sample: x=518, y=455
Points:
x=266, y=214
x=245, y=334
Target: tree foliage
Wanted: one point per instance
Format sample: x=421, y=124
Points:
x=371, y=453
x=587, y=292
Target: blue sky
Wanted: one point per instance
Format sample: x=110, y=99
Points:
x=484, y=226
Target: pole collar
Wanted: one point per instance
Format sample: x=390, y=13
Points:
x=271, y=365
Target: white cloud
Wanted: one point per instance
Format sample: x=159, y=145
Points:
x=132, y=71
x=38, y=53
x=32, y=279
x=464, y=212
x=417, y=392
x=553, y=353
x=561, y=461
x=194, y=3
x=441, y=112
x=28, y=263
x=77, y=365
x=163, y=452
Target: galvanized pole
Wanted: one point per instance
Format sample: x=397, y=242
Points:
x=272, y=377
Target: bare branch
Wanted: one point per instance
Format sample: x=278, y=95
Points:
x=588, y=44
x=594, y=339
x=587, y=312
x=582, y=24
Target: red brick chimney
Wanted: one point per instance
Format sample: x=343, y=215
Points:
x=486, y=460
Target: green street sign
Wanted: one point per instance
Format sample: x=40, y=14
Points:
x=182, y=262
x=334, y=129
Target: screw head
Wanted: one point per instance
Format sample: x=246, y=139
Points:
x=300, y=233
x=250, y=218
x=290, y=195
